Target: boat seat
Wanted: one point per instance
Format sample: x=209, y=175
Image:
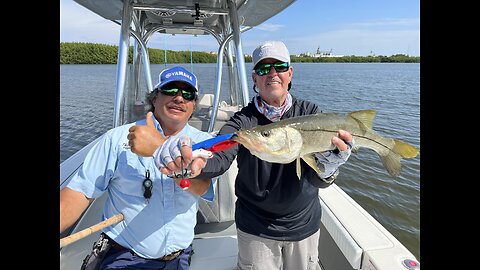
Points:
x=225, y=111
x=215, y=241
x=222, y=208
x=204, y=101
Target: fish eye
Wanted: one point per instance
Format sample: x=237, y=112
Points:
x=265, y=133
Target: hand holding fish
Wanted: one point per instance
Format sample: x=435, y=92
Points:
x=330, y=160
x=343, y=140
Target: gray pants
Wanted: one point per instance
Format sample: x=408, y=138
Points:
x=258, y=253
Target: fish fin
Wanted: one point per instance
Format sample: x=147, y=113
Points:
x=400, y=149
x=404, y=149
x=355, y=149
x=310, y=160
x=299, y=169
x=392, y=163
x=364, y=117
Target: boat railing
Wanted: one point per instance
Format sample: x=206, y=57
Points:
x=142, y=34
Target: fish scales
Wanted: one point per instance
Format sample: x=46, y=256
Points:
x=300, y=137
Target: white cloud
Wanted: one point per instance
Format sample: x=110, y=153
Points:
x=270, y=27
x=78, y=24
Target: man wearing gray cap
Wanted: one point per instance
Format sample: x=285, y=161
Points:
x=277, y=216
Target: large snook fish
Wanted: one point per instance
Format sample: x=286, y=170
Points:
x=299, y=137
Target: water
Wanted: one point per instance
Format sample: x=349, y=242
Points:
x=86, y=112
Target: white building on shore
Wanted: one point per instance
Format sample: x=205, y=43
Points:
x=320, y=53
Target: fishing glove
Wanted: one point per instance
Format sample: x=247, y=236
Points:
x=170, y=150
x=329, y=161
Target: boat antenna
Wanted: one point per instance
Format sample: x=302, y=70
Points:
x=197, y=17
x=165, y=51
x=191, y=55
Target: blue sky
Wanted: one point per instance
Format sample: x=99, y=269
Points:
x=351, y=27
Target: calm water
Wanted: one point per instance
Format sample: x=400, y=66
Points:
x=86, y=111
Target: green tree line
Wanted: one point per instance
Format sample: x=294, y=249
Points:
x=94, y=53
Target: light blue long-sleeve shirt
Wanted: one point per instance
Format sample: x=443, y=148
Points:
x=163, y=225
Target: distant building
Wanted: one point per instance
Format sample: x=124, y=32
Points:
x=320, y=53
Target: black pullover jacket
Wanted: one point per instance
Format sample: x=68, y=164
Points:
x=271, y=201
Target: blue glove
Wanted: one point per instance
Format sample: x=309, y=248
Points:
x=329, y=161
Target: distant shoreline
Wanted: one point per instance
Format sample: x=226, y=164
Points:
x=94, y=53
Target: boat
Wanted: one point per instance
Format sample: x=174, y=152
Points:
x=350, y=237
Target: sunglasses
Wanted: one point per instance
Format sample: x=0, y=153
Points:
x=264, y=69
x=186, y=94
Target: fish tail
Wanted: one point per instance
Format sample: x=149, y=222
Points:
x=404, y=149
x=400, y=149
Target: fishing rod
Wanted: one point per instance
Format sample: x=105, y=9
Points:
x=83, y=233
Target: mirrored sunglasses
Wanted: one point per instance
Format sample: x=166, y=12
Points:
x=264, y=69
x=186, y=94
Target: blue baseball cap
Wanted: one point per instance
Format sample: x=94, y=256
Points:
x=177, y=74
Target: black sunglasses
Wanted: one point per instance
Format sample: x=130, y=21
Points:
x=187, y=94
x=264, y=69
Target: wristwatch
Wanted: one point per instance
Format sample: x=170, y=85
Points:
x=331, y=178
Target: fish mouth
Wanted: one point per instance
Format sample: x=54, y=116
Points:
x=238, y=138
x=242, y=138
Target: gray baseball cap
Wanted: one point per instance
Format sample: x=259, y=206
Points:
x=271, y=49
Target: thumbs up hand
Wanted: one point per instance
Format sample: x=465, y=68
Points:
x=144, y=140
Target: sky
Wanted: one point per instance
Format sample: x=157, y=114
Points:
x=350, y=27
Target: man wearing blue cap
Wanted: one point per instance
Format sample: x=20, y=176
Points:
x=159, y=215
